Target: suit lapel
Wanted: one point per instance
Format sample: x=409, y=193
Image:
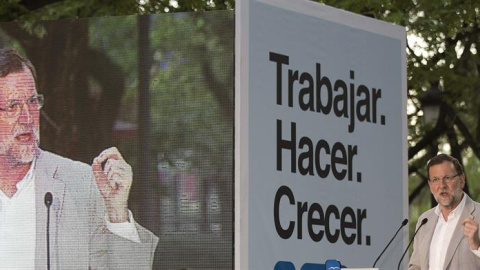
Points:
x=458, y=235
x=46, y=181
x=429, y=229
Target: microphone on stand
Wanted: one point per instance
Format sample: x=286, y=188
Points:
x=48, y=203
x=405, y=222
x=413, y=237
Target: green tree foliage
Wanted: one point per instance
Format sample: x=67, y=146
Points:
x=34, y=10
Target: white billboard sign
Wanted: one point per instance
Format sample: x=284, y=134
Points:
x=321, y=161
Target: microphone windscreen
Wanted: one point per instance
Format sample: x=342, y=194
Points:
x=48, y=199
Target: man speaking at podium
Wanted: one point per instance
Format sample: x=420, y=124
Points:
x=450, y=239
x=89, y=224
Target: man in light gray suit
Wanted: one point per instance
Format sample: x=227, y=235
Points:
x=450, y=238
x=84, y=207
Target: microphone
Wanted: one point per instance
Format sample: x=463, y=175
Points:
x=405, y=222
x=48, y=199
x=48, y=203
x=413, y=237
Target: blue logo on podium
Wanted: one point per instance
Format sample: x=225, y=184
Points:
x=329, y=265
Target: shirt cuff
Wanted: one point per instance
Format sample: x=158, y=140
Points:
x=126, y=229
x=476, y=252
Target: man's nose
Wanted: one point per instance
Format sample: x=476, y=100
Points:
x=25, y=116
x=443, y=183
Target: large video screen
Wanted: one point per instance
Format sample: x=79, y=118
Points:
x=157, y=88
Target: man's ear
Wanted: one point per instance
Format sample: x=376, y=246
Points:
x=462, y=179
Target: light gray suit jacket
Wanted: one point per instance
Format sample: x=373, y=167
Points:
x=459, y=256
x=78, y=236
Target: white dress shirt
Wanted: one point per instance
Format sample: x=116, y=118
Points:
x=443, y=234
x=124, y=229
x=18, y=226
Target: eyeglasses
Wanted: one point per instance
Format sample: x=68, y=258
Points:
x=14, y=107
x=446, y=178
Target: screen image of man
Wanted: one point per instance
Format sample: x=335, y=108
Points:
x=90, y=226
x=450, y=238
